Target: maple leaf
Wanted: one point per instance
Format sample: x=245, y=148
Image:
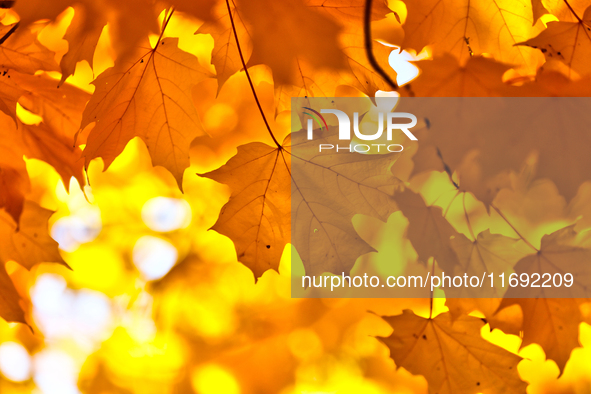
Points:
x=151, y=100
x=253, y=20
x=23, y=225
x=201, y=9
x=467, y=27
x=131, y=21
x=9, y=95
x=550, y=82
x=562, y=251
x=306, y=78
x=552, y=322
x=569, y=42
x=559, y=8
x=488, y=253
x=349, y=12
x=41, y=142
x=24, y=53
x=262, y=215
x=225, y=56
x=28, y=245
x=428, y=231
x=30, y=11
x=471, y=138
x=538, y=10
x=53, y=139
x=444, y=76
x=257, y=217
x=82, y=35
x=509, y=321
x=327, y=191
x=10, y=309
x=14, y=180
x=316, y=40
x=451, y=354
x=309, y=81
x=358, y=73
x=61, y=108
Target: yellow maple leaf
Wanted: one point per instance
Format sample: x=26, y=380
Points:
x=549, y=320
x=569, y=42
x=464, y=28
x=293, y=194
x=152, y=100
x=444, y=76
x=28, y=245
x=428, y=231
x=452, y=355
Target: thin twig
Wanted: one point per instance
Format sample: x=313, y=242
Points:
x=164, y=25
x=451, y=202
x=514, y=229
x=9, y=33
x=573, y=11
x=447, y=170
x=248, y=76
x=369, y=46
x=467, y=217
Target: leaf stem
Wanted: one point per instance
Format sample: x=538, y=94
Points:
x=9, y=33
x=248, y=76
x=513, y=227
x=449, y=174
x=451, y=202
x=573, y=11
x=164, y=25
x=467, y=217
x=447, y=170
x=369, y=46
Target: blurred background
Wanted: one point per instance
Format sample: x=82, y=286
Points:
x=156, y=303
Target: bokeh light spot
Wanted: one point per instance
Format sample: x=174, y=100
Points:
x=15, y=362
x=213, y=379
x=165, y=214
x=55, y=372
x=154, y=257
x=80, y=227
x=400, y=61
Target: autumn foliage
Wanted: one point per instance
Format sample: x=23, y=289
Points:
x=206, y=87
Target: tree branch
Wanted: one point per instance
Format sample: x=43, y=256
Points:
x=573, y=11
x=369, y=46
x=248, y=76
x=9, y=33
